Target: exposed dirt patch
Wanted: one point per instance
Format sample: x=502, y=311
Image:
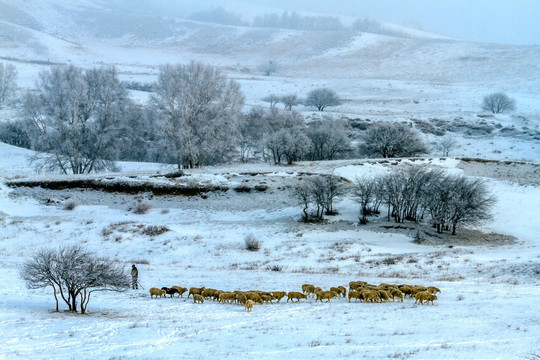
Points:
x=522, y=173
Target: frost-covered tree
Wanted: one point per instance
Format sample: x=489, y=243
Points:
x=76, y=115
x=289, y=101
x=200, y=108
x=329, y=139
x=388, y=140
x=322, y=98
x=273, y=99
x=8, y=81
x=74, y=274
x=498, y=103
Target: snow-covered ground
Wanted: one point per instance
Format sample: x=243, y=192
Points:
x=486, y=308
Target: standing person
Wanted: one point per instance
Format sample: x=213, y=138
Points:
x=134, y=277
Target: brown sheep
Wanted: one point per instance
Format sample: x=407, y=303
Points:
x=295, y=295
x=343, y=290
x=354, y=285
x=385, y=296
x=326, y=295
x=181, y=290
x=371, y=295
x=241, y=299
x=198, y=299
x=433, y=289
x=227, y=296
x=425, y=296
x=208, y=293
x=267, y=298
x=194, y=290
x=157, y=292
x=355, y=295
x=338, y=290
x=396, y=293
x=216, y=295
x=170, y=291
x=405, y=289
x=278, y=295
x=249, y=305
x=416, y=289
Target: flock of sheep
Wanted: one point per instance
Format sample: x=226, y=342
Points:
x=358, y=290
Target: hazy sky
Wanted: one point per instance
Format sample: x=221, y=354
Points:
x=503, y=21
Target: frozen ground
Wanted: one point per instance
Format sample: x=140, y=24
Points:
x=486, y=310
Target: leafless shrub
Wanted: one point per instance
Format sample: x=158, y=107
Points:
x=392, y=260
x=251, y=243
x=154, y=230
x=460, y=298
x=142, y=207
x=140, y=261
x=70, y=205
x=275, y=268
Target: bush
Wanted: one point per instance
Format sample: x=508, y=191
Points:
x=252, y=243
x=142, y=207
x=154, y=230
x=70, y=205
x=389, y=140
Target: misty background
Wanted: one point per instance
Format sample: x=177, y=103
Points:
x=497, y=21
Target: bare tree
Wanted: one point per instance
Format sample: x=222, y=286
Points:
x=333, y=190
x=363, y=191
x=289, y=101
x=201, y=108
x=74, y=273
x=329, y=139
x=319, y=194
x=321, y=98
x=8, y=84
x=387, y=140
x=273, y=99
x=446, y=144
x=498, y=103
x=289, y=144
x=268, y=68
x=76, y=116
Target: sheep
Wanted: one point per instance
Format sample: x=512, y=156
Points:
x=208, y=293
x=157, y=292
x=227, y=296
x=249, y=305
x=216, y=295
x=356, y=295
x=198, y=299
x=405, y=289
x=267, y=298
x=371, y=295
x=195, y=290
x=295, y=295
x=396, y=293
x=255, y=297
x=416, y=289
x=326, y=295
x=343, y=290
x=385, y=296
x=354, y=285
x=170, y=291
x=433, y=289
x=181, y=290
x=338, y=291
x=425, y=296
x=308, y=289
x=278, y=295
x=241, y=299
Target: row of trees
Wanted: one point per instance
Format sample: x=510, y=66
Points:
x=318, y=98
x=413, y=194
x=74, y=274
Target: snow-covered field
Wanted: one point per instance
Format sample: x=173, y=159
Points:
x=489, y=276
x=487, y=307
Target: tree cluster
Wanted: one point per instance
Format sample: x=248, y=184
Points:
x=8, y=82
x=74, y=274
x=298, y=22
x=449, y=200
x=284, y=136
x=389, y=140
x=317, y=195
